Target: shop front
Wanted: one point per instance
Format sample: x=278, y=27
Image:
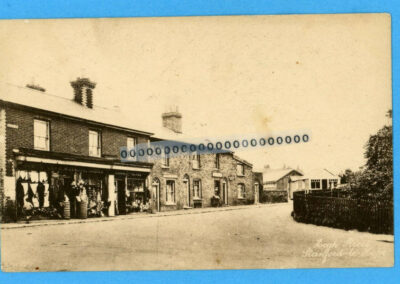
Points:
x=47, y=186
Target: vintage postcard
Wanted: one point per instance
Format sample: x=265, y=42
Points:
x=192, y=143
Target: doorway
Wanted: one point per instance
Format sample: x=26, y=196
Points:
x=224, y=192
x=120, y=184
x=324, y=184
x=186, y=184
x=156, y=193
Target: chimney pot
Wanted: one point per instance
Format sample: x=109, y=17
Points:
x=83, y=91
x=172, y=120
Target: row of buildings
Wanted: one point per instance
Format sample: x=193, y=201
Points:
x=50, y=145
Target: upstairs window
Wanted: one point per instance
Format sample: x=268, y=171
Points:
x=196, y=161
x=166, y=160
x=240, y=169
x=94, y=143
x=217, y=156
x=131, y=142
x=41, y=135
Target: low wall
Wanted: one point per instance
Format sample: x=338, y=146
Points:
x=274, y=196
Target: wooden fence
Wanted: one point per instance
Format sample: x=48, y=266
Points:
x=321, y=208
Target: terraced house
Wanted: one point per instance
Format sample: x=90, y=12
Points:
x=195, y=180
x=62, y=156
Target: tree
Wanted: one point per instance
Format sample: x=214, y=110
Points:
x=377, y=178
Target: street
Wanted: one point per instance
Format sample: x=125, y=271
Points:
x=254, y=237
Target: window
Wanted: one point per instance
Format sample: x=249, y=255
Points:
x=170, y=194
x=41, y=135
x=94, y=144
x=196, y=161
x=166, y=160
x=197, y=189
x=241, y=191
x=315, y=183
x=131, y=142
x=240, y=169
x=216, y=161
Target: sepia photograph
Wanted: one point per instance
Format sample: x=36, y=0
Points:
x=196, y=143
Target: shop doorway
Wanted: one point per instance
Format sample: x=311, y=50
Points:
x=217, y=188
x=156, y=193
x=120, y=183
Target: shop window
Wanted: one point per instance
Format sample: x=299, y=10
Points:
x=41, y=135
x=170, y=194
x=315, y=184
x=94, y=143
x=241, y=191
x=197, y=189
x=240, y=169
x=196, y=161
x=216, y=165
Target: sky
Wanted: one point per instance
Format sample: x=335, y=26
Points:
x=234, y=76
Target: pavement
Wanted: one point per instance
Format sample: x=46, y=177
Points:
x=36, y=223
x=243, y=237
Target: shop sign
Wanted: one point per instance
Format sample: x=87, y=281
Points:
x=12, y=125
x=217, y=174
x=170, y=176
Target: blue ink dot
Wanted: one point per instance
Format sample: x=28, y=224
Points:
x=124, y=154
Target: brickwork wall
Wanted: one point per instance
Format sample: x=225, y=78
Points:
x=66, y=136
x=181, y=166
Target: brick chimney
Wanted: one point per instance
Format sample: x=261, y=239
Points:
x=83, y=91
x=172, y=120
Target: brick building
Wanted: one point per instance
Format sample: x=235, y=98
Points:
x=50, y=144
x=192, y=180
x=56, y=142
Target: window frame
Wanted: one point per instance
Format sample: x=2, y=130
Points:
x=47, y=137
x=99, y=143
x=196, y=157
x=135, y=143
x=172, y=192
x=315, y=182
x=241, y=191
x=217, y=161
x=166, y=162
x=199, y=195
x=237, y=169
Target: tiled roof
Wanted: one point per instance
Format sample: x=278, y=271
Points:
x=275, y=175
x=48, y=102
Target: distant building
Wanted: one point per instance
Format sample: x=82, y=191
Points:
x=317, y=179
x=278, y=179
